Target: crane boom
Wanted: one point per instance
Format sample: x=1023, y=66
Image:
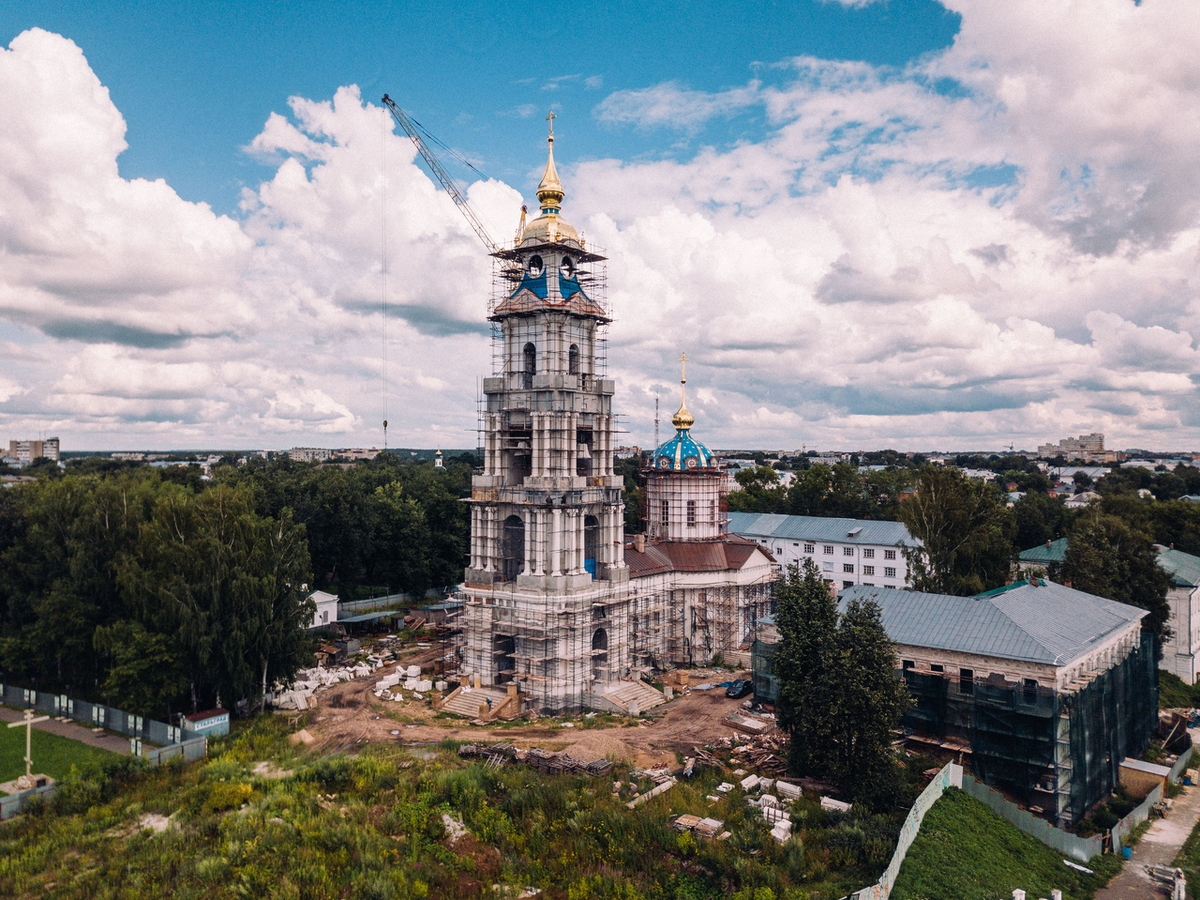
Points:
x=448, y=183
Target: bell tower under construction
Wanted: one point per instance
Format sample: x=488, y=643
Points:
x=547, y=536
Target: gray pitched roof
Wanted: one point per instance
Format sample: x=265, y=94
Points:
x=762, y=526
x=1047, y=623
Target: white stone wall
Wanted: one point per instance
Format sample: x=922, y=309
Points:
x=868, y=563
x=1181, y=655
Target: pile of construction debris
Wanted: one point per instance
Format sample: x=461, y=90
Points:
x=387, y=688
x=540, y=760
x=298, y=694
x=703, y=827
x=765, y=752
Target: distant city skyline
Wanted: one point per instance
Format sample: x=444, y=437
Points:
x=896, y=224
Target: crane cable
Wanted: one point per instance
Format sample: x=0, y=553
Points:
x=383, y=308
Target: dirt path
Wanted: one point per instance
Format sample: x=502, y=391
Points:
x=349, y=714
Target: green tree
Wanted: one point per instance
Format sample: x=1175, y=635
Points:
x=965, y=529
x=59, y=574
x=1108, y=557
x=839, y=694
x=872, y=700
x=759, y=491
x=401, y=541
x=229, y=586
x=145, y=676
x=805, y=664
x=1039, y=518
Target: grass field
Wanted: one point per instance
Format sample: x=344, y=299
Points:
x=52, y=755
x=964, y=851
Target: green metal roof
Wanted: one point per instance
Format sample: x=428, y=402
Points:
x=1183, y=568
x=1044, y=623
x=1049, y=552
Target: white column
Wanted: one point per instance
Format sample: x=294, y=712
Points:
x=572, y=443
x=574, y=542
x=539, y=550
x=556, y=541
x=528, y=519
x=489, y=539
x=476, y=536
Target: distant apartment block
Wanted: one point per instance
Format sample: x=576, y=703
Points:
x=28, y=451
x=310, y=454
x=1085, y=448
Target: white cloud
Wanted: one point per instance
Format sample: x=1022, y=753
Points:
x=999, y=243
x=672, y=105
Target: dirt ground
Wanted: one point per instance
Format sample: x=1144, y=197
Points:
x=349, y=715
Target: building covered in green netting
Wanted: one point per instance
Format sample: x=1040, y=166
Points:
x=1044, y=689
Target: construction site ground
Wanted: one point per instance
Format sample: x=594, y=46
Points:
x=349, y=714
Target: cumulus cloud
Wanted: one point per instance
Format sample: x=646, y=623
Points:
x=998, y=243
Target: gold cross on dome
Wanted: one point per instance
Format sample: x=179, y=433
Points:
x=550, y=118
x=683, y=369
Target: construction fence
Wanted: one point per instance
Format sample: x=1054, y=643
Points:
x=951, y=775
x=1071, y=845
x=96, y=715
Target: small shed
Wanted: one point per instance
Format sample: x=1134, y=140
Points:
x=326, y=612
x=1140, y=778
x=210, y=723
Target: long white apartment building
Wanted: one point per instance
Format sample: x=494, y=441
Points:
x=847, y=551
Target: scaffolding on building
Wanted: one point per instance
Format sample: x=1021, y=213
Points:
x=1057, y=752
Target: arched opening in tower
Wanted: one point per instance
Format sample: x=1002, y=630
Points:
x=530, y=367
x=599, y=654
x=573, y=360
x=504, y=649
x=512, y=549
x=591, y=543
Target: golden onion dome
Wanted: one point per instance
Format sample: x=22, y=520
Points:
x=683, y=419
x=550, y=226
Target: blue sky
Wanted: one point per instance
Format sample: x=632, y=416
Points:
x=911, y=224
x=196, y=81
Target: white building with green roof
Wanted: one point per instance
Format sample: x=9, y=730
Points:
x=1181, y=654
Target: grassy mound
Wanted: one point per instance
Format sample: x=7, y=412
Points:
x=260, y=818
x=966, y=852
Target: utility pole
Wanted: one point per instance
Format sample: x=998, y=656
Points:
x=28, y=722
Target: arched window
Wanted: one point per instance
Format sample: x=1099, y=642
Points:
x=591, y=543
x=512, y=548
x=530, y=367
x=599, y=653
x=573, y=360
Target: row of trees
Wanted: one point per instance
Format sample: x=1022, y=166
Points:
x=160, y=592
x=147, y=594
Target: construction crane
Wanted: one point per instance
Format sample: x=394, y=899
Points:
x=448, y=184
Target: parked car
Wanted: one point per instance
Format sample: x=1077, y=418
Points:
x=743, y=687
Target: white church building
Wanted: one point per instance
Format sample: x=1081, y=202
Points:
x=559, y=612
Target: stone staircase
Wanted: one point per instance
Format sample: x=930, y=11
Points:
x=465, y=701
x=633, y=697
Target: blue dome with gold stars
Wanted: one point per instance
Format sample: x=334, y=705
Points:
x=682, y=452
